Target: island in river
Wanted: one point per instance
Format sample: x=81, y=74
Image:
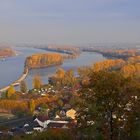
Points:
x=39, y=60
x=43, y=60
x=12, y=69
x=6, y=52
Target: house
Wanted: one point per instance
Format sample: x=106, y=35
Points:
x=28, y=129
x=71, y=113
x=61, y=125
x=62, y=113
x=54, y=125
x=57, y=117
x=1, y=133
x=39, y=125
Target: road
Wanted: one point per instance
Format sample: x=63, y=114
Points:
x=17, y=122
x=17, y=82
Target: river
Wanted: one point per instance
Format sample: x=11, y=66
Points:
x=12, y=68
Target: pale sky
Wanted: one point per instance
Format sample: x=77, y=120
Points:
x=69, y=21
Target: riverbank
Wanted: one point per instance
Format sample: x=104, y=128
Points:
x=25, y=74
x=17, y=82
x=9, y=69
x=40, y=60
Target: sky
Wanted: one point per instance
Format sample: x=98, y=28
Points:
x=69, y=21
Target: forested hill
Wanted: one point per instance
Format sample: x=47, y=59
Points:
x=43, y=60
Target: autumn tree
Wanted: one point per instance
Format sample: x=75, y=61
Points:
x=60, y=103
x=131, y=70
x=69, y=79
x=57, y=79
x=11, y=105
x=107, y=103
x=108, y=65
x=31, y=105
x=60, y=73
x=11, y=91
x=23, y=86
x=43, y=60
x=37, y=83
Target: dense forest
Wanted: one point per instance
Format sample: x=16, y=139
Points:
x=44, y=60
x=129, y=67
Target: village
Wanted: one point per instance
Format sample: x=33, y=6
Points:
x=74, y=104
x=42, y=115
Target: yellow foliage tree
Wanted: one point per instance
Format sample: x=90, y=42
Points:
x=43, y=60
x=32, y=106
x=108, y=64
x=11, y=91
x=131, y=70
x=37, y=83
x=60, y=73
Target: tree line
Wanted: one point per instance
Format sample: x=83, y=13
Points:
x=129, y=67
x=43, y=60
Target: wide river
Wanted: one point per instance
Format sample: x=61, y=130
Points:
x=12, y=68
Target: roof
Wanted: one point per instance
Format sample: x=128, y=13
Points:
x=61, y=124
x=57, y=125
x=37, y=123
x=71, y=113
x=28, y=128
x=43, y=118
